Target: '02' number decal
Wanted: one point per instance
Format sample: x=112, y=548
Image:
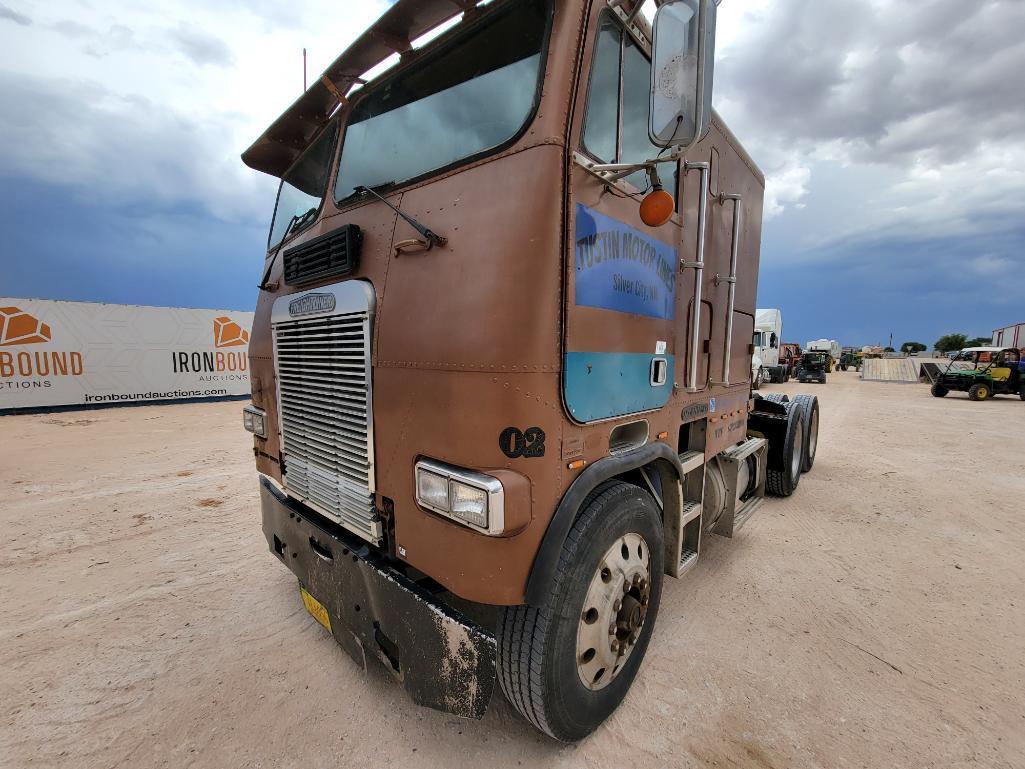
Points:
x=522, y=443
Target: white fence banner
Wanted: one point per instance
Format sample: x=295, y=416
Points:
x=70, y=353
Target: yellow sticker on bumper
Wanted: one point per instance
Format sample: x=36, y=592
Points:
x=316, y=608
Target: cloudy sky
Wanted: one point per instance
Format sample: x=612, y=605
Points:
x=892, y=133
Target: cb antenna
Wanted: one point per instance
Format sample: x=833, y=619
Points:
x=304, y=70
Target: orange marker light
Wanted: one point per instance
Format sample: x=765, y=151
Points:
x=657, y=207
x=578, y=464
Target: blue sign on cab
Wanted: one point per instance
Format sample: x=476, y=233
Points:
x=620, y=268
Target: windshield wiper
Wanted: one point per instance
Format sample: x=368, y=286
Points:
x=432, y=238
x=299, y=220
x=294, y=224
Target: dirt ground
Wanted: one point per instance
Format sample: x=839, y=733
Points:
x=875, y=619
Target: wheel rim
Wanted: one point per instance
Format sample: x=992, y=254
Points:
x=813, y=434
x=798, y=457
x=614, y=610
x=983, y=393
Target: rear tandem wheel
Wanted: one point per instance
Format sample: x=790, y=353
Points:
x=810, y=407
x=783, y=482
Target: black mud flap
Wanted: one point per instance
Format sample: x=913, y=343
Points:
x=769, y=420
x=443, y=660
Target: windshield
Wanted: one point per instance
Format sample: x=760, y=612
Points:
x=302, y=187
x=471, y=96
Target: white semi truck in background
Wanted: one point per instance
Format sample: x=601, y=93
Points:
x=766, y=365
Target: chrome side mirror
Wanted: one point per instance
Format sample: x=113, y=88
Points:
x=683, y=60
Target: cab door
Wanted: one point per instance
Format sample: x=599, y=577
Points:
x=623, y=304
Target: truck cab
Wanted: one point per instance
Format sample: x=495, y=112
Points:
x=768, y=363
x=501, y=355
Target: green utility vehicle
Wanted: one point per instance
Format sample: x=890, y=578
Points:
x=850, y=358
x=813, y=366
x=982, y=372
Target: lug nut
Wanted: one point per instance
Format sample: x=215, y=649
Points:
x=626, y=588
x=615, y=646
x=612, y=629
x=618, y=605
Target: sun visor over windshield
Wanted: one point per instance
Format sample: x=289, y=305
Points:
x=288, y=136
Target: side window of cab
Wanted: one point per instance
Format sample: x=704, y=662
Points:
x=616, y=120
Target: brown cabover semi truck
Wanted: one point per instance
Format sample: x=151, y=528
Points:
x=501, y=375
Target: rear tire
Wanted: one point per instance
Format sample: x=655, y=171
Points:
x=776, y=397
x=939, y=391
x=810, y=408
x=979, y=392
x=783, y=482
x=540, y=668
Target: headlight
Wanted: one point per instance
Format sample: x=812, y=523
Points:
x=254, y=421
x=432, y=490
x=469, y=497
x=469, y=503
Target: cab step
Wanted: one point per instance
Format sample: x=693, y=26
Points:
x=692, y=460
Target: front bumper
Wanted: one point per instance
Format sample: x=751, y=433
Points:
x=443, y=660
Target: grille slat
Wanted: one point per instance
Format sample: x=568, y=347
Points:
x=326, y=406
x=323, y=367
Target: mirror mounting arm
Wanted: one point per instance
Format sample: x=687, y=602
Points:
x=612, y=172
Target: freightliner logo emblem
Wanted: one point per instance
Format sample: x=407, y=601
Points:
x=311, y=303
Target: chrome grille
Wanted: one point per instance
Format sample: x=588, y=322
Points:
x=323, y=368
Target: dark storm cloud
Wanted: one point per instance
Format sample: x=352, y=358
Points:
x=201, y=47
x=900, y=83
x=916, y=288
x=123, y=148
x=12, y=15
x=131, y=253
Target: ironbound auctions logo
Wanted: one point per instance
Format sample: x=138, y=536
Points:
x=227, y=333
x=17, y=327
x=311, y=303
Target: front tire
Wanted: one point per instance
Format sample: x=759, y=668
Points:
x=567, y=665
x=939, y=391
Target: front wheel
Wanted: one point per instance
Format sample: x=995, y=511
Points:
x=939, y=391
x=568, y=664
